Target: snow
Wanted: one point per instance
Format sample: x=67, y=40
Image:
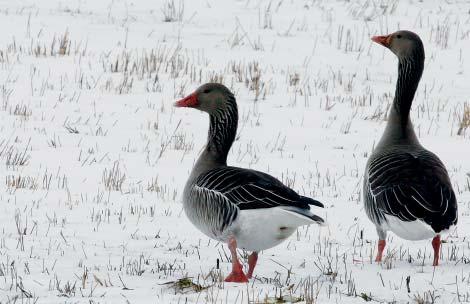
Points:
x=94, y=157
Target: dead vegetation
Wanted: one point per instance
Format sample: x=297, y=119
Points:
x=464, y=123
x=115, y=230
x=185, y=285
x=21, y=182
x=114, y=178
x=60, y=45
x=15, y=156
x=173, y=11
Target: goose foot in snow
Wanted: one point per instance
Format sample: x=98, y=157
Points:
x=237, y=275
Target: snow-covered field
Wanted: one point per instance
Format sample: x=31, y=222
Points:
x=94, y=156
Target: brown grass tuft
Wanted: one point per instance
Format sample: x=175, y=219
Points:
x=465, y=120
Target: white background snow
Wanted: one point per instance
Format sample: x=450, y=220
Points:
x=94, y=156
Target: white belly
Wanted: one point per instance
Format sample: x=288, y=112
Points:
x=260, y=229
x=413, y=231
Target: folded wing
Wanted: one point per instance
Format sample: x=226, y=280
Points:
x=250, y=189
x=412, y=186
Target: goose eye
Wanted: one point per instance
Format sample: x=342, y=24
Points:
x=206, y=91
x=398, y=36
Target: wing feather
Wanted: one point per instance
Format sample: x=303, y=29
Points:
x=250, y=189
x=411, y=186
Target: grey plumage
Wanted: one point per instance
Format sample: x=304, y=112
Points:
x=215, y=193
x=409, y=183
x=403, y=180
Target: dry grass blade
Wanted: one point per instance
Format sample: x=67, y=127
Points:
x=114, y=178
x=465, y=120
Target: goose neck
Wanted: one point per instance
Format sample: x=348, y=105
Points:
x=410, y=70
x=222, y=132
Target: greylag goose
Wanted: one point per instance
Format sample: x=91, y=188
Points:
x=406, y=188
x=244, y=208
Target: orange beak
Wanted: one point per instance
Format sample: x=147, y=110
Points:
x=189, y=101
x=383, y=40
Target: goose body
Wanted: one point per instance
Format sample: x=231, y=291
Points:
x=255, y=208
x=407, y=189
x=244, y=208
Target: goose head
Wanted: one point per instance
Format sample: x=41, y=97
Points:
x=212, y=98
x=404, y=44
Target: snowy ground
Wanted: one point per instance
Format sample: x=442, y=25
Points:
x=94, y=156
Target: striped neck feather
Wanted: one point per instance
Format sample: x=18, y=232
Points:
x=222, y=131
x=410, y=70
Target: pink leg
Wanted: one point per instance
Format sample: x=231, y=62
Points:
x=252, y=259
x=380, y=250
x=436, y=245
x=237, y=275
